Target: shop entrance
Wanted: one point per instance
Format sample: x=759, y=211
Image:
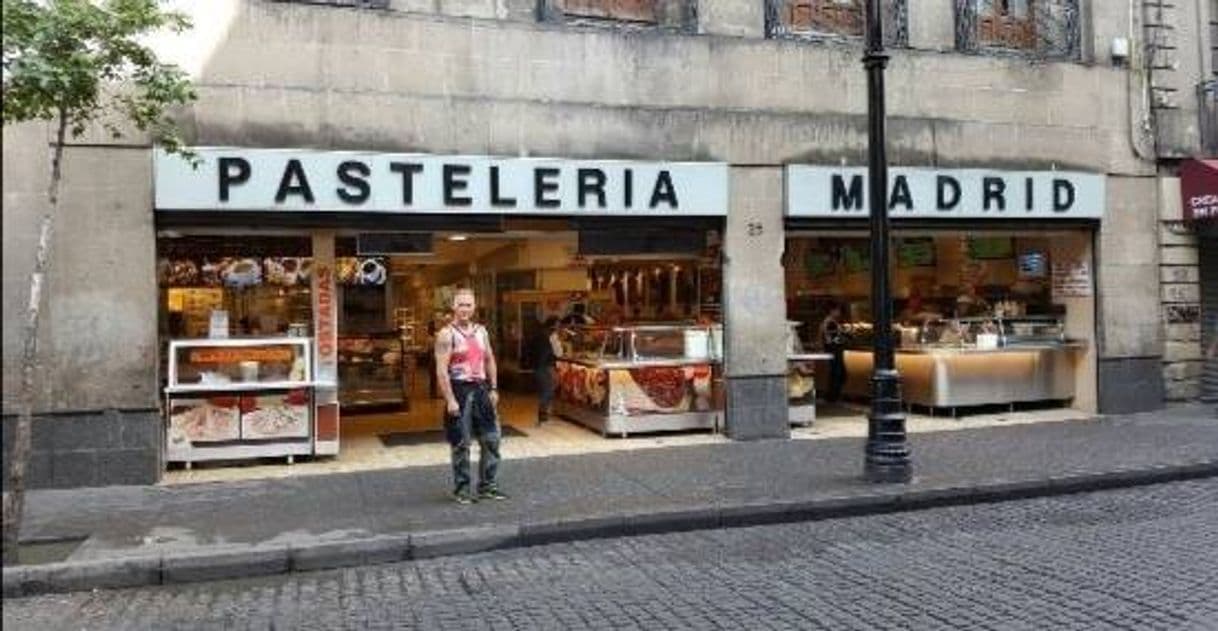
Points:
x=985, y=320
x=650, y=295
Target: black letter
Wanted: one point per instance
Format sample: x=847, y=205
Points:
x=591, y=181
x=901, y=194
x=227, y=177
x=496, y=199
x=407, y=169
x=945, y=182
x=452, y=185
x=628, y=189
x=848, y=200
x=293, y=173
x=668, y=192
x=994, y=188
x=541, y=186
x=354, y=180
x=1029, y=203
x=1059, y=187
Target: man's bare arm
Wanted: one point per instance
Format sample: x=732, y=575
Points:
x=444, y=351
x=492, y=371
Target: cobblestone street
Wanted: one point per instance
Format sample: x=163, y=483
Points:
x=1145, y=558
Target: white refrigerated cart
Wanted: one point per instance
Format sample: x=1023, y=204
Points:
x=233, y=399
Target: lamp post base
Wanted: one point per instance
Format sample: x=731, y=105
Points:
x=888, y=459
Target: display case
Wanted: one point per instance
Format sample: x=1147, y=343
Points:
x=960, y=362
x=239, y=398
x=372, y=371
x=801, y=378
x=645, y=378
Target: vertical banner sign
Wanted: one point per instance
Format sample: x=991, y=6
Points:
x=325, y=335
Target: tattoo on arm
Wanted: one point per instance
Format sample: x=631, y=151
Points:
x=444, y=349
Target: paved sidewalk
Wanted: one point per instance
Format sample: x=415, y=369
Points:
x=167, y=534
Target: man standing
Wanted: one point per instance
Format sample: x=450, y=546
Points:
x=466, y=372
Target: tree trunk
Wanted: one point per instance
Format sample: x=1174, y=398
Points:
x=19, y=454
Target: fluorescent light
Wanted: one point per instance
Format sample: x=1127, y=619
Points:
x=457, y=237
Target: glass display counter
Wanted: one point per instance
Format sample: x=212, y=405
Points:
x=372, y=371
x=645, y=378
x=801, y=378
x=230, y=399
x=962, y=362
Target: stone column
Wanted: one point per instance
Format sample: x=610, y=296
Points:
x=1181, y=296
x=754, y=306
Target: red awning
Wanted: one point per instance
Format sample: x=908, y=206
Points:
x=1199, y=189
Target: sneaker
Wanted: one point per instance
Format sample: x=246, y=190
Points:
x=492, y=494
x=463, y=497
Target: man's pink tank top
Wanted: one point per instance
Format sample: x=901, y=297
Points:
x=468, y=359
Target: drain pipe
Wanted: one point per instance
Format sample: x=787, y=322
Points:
x=1141, y=123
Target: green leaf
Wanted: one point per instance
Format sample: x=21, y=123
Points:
x=68, y=56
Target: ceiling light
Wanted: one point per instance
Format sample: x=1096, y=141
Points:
x=457, y=237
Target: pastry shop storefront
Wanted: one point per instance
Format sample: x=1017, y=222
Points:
x=300, y=292
x=993, y=285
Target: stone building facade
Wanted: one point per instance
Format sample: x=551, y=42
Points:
x=1182, y=77
x=755, y=84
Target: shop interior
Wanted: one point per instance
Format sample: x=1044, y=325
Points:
x=974, y=313
x=389, y=306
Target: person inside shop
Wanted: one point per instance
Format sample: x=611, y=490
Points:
x=547, y=349
x=468, y=378
x=833, y=340
x=969, y=304
x=578, y=316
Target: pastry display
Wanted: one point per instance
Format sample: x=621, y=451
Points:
x=275, y=415
x=204, y=420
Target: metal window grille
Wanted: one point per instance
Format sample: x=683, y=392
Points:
x=1046, y=29
x=363, y=4
x=1207, y=101
x=625, y=10
x=673, y=15
x=833, y=19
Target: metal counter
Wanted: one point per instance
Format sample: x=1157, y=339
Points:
x=951, y=377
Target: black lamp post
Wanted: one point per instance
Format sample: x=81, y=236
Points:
x=888, y=457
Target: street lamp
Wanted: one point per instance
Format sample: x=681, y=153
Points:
x=887, y=458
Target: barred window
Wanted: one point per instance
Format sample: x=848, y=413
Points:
x=625, y=10
x=679, y=15
x=1042, y=28
x=820, y=19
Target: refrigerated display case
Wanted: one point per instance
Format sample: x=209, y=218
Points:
x=801, y=378
x=231, y=399
x=644, y=378
x=962, y=362
x=372, y=371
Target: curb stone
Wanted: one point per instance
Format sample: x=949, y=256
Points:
x=228, y=562
x=426, y=545
x=349, y=553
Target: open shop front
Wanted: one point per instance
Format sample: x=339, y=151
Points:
x=992, y=286
x=290, y=327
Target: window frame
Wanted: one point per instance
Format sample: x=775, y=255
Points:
x=671, y=15
x=897, y=37
x=1069, y=22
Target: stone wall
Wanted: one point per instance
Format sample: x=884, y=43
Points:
x=1181, y=297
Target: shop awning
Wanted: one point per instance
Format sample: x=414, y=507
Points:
x=1199, y=189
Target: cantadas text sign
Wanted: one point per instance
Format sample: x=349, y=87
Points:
x=304, y=180
x=922, y=193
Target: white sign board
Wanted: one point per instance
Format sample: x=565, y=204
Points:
x=303, y=180
x=1071, y=279
x=928, y=193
